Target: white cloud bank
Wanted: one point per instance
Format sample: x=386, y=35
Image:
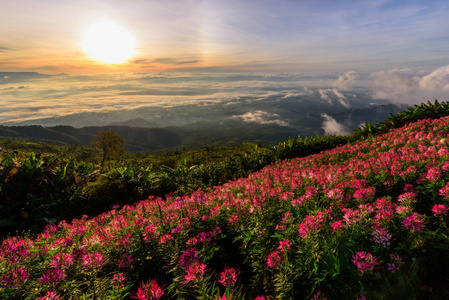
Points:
x=262, y=117
x=341, y=98
x=410, y=86
x=347, y=80
x=332, y=127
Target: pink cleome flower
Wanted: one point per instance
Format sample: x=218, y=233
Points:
x=228, y=276
x=149, y=291
x=165, y=238
x=311, y=223
x=14, y=277
x=52, y=276
x=50, y=296
x=335, y=194
x=440, y=209
x=189, y=257
x=118, y=280
x=274, y=259
x=413, y=222
x=284, y=245
x=433, y=174
x=336, y=226
x=364, y=261
x=364, y=194
x=319, y=296
x=407, y=198
x=149, y=233
x=444, y=191
x=93, y=261
x=195, y=273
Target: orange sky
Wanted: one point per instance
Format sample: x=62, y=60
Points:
x=217, y=35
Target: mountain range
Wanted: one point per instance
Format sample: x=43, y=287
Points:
x=142, y=135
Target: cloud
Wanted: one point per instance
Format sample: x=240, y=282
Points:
x=411, y=87
x=338, y=94
x=347, y=80
x=438, y=80
x=332, y=127
x=324, y=96
x=5, y=49
x=172, y=61
x=341, y=98
x=141, y=61
x=262, y=117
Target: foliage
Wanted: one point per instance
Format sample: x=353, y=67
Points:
x=63, y=182
x=109, y=143
x=418, y=112
x=366, y=220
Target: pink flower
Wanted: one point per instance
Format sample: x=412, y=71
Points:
x=336, y=226
x=433, y=174
x=407, y=198
x=149, y=291
x=444, y=191
x=195, y=273
x=364, y=261
x=232, y=219
x=284, y=246
x=165, y=238
x=402, y=210
x=228, y=277
x=93, y=260
x=125, y=261
x=319, y=296
x=118, y=280
x=62, y=260
x=311, y=223
x=335, y=194
x=364, y=194
x=50, y=296
x=287, y=217
x=273, y=259
x=189, y=257
x=413, y=222
x=260, y=298
x=14, y=277
x=149, y=233
x=440, y=209
x=52, y=276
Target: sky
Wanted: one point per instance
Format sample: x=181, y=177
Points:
x=275, y=36
x=109, y=55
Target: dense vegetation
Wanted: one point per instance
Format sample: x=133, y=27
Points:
x=65, y=182
x=52, y=186
x=367, y=219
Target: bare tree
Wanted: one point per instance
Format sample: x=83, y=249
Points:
x=109, y=143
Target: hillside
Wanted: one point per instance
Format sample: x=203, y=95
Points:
x=136, y=138
x=192, y=126
x=367, y=220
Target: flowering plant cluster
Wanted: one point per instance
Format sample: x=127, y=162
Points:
x=356, y=222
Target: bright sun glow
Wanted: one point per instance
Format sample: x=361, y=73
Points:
x=109, y=43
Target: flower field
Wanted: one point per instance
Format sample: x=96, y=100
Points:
x=367, y=220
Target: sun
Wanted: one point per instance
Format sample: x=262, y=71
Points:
x=109, y=43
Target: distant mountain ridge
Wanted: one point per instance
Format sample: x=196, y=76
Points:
x=135, y=138
x=229, y=129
